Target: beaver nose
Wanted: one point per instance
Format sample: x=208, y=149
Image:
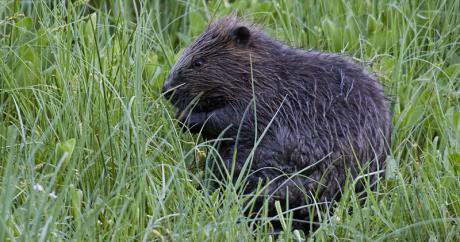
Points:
x=167, y=92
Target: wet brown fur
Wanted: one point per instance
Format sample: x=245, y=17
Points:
x=324, y=116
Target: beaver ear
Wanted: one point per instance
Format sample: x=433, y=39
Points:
x=241, y=36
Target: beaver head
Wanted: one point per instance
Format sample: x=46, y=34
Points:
x=217, y=68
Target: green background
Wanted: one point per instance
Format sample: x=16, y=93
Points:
x=89, y=150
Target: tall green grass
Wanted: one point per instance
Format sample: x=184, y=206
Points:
x=89, y=150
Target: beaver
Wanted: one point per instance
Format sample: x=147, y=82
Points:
x=302, y=122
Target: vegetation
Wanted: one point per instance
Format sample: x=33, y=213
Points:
x=89, y=150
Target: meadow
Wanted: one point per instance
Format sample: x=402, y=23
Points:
x=90, y=151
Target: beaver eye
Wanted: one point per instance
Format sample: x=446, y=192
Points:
x=198, y=63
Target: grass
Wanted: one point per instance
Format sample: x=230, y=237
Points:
x=89, y=151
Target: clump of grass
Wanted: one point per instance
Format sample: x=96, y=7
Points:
x=89, y=150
